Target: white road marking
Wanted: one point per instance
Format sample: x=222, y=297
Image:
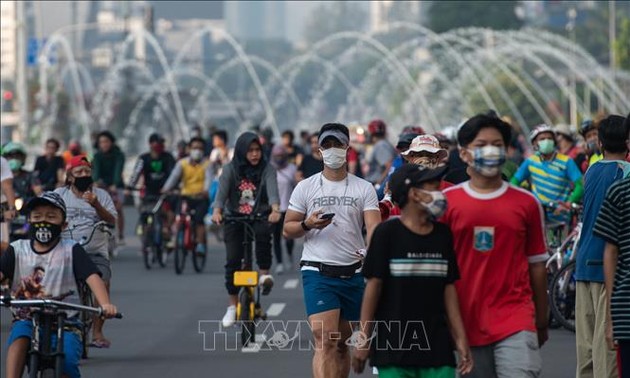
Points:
x=275, y=309
x=292, y=283
x=255, y=346
x=251, y=348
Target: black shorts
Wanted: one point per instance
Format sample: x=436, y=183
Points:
x=199, y=206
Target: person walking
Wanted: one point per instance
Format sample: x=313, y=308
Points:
x=329, y=210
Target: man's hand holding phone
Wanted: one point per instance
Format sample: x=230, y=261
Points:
x=316, y=221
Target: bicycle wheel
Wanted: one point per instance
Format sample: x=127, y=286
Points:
x=248, y=327
x=160, y=256
x=199, y=261
x=148, y=251
x=33, y=365
x=562, y=296
x=180, y=251
x=85, y=295
x=158, y=240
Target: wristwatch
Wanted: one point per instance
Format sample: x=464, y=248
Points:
x=304, y=226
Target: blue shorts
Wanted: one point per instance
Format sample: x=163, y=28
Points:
x=322, y=293
x=72, y=347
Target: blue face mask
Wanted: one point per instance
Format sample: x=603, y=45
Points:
x=15, y=164
x=488, y=160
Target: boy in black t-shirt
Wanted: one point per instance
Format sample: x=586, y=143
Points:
x=410, y=305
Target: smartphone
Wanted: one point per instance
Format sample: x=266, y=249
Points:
x=327, y=216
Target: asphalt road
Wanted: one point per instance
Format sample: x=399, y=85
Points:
x=171, y=328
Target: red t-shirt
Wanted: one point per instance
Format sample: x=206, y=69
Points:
x=496, y=236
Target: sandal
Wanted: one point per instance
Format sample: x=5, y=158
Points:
x=100, y=343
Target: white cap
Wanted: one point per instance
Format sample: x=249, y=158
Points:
x=426, y=143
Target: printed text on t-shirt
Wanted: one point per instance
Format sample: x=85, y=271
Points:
x=336, y=201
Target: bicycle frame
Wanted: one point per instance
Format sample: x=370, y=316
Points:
x=183, y=218
x=247, y=277
x=559, y=257
x=48, y=314
x=149, y=220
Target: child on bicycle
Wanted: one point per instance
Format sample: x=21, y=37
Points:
x=410, y=294
x=248, y=186
x=48, y=266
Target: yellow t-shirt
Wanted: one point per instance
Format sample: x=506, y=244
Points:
x=193, y=177
x=595, y=158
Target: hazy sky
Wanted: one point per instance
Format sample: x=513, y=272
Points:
x=56, y=14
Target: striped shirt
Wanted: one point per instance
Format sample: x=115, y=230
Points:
x=551, y=180
x=613, y=225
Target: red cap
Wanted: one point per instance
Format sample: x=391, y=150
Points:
x=78, y=161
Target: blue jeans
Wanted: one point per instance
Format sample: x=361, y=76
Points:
x=72, y=347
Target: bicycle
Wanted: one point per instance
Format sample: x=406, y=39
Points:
x=185, y=239
x=563, y=284
x=85, y=294
x=49, y=318
x=248, y=308
x=150, y=224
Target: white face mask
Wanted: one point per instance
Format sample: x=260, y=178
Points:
x=196, y=154
x=334, y=158
x=437, y=205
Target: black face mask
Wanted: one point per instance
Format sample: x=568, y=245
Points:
x=45, y=232
x=83, y=183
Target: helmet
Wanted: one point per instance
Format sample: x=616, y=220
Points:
x=586, y=126
x=539, y=130
x=413, y=130
x=12, y=148
x=377, y=126
x=564, y=130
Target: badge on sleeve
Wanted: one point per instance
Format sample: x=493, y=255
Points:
x=484, y=239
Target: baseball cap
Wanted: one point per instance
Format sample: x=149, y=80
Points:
x=47, y=198
x=78, y=161
x=427, y=143
x=337, y=134
x=411, y=176
x=156, y=138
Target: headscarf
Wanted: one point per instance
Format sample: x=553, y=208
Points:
x=243, y=168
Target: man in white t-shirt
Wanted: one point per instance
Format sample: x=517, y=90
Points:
x=330, y=209
x=7, y=202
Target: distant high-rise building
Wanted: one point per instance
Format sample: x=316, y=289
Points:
x=251, y=20
x=8, y=40
x=385, y=12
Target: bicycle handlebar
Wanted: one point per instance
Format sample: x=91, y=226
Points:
x=52, y=304
x=101, y=226
x=244, y=218
x=554, y=205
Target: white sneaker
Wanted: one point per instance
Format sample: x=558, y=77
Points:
x=279, y=269
x=230, y=317
x=266, y=281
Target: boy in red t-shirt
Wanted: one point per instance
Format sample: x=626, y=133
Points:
x=501, y=252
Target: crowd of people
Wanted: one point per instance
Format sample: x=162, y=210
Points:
x=445, y=232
